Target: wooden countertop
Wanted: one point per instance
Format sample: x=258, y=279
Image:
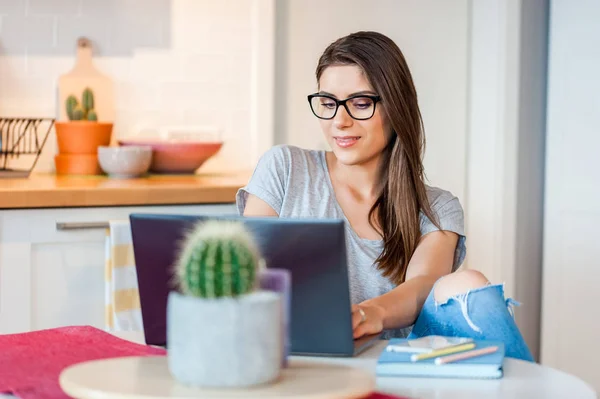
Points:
x=50, y=191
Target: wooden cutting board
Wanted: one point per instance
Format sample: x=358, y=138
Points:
x=84, y=74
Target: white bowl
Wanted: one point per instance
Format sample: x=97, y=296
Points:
x=125, y=162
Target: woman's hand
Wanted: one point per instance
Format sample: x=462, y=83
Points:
x=401, y=306
x=367, y=319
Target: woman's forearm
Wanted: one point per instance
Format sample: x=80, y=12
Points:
x=401, y=306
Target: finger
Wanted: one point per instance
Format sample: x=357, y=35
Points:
x=366, y=328
x=361, y=330
x=356, y=318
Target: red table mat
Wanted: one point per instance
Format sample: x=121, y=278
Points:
x=31, y=363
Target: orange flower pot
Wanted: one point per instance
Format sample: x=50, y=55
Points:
x=82, y=137
x=77, y=164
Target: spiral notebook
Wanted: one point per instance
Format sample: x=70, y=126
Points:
x=394, y=363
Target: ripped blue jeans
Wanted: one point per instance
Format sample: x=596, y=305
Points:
x=482, y=313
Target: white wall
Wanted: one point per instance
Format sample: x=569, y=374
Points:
x=572, y=210
x=173, y=62
x=433, y=36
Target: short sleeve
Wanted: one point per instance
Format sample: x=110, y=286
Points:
x=268, y=181
x=450, y=215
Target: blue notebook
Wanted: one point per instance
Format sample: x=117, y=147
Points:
x=398, y=364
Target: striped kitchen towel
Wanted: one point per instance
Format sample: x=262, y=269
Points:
x=122, y=310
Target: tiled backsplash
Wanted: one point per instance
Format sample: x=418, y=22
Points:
x=173, y=62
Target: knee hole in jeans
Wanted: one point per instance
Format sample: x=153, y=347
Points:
x=458, y=283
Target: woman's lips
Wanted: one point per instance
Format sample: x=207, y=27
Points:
x=346, y=141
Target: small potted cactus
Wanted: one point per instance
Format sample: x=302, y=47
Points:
x=223, y=331
x=83, y=133
x=85, y=110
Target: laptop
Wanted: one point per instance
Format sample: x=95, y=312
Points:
x=313, y=250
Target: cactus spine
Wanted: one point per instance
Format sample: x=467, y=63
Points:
x=219, y=259
x=83, y=111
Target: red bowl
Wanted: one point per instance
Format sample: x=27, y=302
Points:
x=176, y=156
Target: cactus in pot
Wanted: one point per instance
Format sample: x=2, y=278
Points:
x=83, y=111
x=219, y=259
x=221, y=321
x=81, y=134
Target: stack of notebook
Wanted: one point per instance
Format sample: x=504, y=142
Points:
x=436, y=356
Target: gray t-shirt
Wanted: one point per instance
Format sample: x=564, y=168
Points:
x=295, y=182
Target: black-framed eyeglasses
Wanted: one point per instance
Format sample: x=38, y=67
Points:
x=359, y=107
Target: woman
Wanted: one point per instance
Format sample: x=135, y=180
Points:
x=405, y=239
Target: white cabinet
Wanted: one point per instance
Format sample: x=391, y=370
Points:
x=51, y=277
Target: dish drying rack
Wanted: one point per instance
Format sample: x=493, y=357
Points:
x=22, y=137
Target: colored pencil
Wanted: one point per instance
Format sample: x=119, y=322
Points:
x=444, y=351
x=466, y=355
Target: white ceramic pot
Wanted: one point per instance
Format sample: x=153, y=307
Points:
x=225, y=342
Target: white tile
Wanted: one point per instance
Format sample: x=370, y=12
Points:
x=131, y=24
x=12, y=7
x=14, y=35
x=219, y=117
x=156, y=65
x=222, y=13
x=188, y=31
x=229, y=40
x=241, y=78
x=25, y=109
x=99, y=9
x=210, y=27
x=130, y=31
x=240, y=124
x=40, y=34
x=208, y=67
x=130, y=123
x=116, y=68
x=241, y=63
x=136, y=96
x=71, y=28
x=207, y=11
x=186, y=94
x=48, y=67
x=53, y=7
x=12, y=67
x=28, y=89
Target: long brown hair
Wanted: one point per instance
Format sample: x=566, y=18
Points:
x=401, y=189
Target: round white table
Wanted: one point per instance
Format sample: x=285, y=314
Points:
x=521, y=380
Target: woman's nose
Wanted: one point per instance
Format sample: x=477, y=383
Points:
x=342, y=119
